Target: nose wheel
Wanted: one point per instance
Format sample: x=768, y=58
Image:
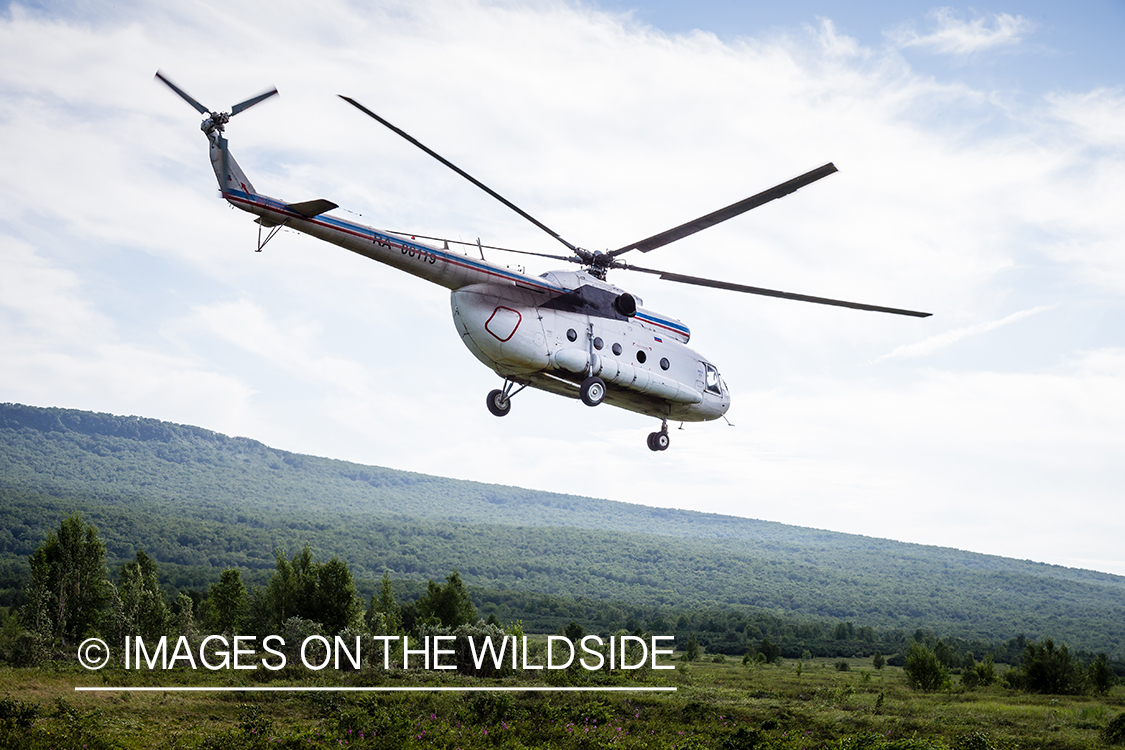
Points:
x=659, y=441
x=498, y=404
x=499, y=401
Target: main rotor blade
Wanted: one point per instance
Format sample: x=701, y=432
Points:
x=459, y=171
x=667, y=275
x=713, y=218
x=183, y=94
x=251, y=102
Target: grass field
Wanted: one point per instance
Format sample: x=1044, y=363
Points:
x=715, y=705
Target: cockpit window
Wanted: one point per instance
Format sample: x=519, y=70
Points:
x=713, y=383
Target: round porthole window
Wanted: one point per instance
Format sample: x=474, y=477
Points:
x=641, y=357
x=571, y=334
x=664, y=363
x=598, y=343
x=617, y=349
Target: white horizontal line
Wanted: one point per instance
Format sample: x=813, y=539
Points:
x=540, y=689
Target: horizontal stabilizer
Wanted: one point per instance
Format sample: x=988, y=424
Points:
x=309, y=209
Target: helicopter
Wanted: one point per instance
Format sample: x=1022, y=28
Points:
x=571, y=333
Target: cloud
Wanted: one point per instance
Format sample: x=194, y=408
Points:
x=932, y=344
x=37, y=295
x=950, y=35
x=1098, y=115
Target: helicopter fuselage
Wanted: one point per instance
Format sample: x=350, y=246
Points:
x=550, y=332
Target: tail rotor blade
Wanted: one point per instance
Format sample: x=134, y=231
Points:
x=250, y=102
x=183, y=94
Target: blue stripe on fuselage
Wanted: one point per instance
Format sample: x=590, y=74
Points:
x=367, y=233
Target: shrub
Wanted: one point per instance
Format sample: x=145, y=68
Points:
x=974, y=741
x=1114, y=731
x=986, y=671
x=21, y=714
x=923, y=670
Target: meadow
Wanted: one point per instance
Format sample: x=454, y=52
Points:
x=719, y=702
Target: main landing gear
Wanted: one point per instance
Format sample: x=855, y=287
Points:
x=592, y=391
x=499, y=401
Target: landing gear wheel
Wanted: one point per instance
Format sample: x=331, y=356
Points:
x=498, y=404
x=658, y=441
x=592, y=391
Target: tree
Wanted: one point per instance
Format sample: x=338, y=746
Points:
x=69, y=587
x=770, y=651
x=449, y=604
x=923, y=670
x=184, y=619
x=691, y=650
x=291, y=584
x=969, y=676
x=139, y=605
x=384, y=616
x=1100, y=675
x=337, y=602
x=313, y=591
x=945, y=655
x=1051, y=670
x=227, y=603
x=878, y=661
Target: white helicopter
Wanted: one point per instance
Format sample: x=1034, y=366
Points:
x=567, y=332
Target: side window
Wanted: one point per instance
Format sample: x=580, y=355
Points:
x=713, y=379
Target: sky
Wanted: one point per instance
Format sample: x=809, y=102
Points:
x=981, y=151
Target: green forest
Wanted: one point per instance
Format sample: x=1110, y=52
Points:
x=933, y=695
x=198, y=502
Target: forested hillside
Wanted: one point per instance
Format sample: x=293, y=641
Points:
x=197, y=501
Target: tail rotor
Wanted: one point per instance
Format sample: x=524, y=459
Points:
x=229, y=174
x=215, y=121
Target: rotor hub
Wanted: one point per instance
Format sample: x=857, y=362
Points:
x=215, y=121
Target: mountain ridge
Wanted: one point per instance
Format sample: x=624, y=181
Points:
x=203, y=500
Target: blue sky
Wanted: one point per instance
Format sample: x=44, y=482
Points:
x=1072, y=45
x=982, y=174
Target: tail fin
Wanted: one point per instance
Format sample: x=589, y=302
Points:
x=230, y=176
